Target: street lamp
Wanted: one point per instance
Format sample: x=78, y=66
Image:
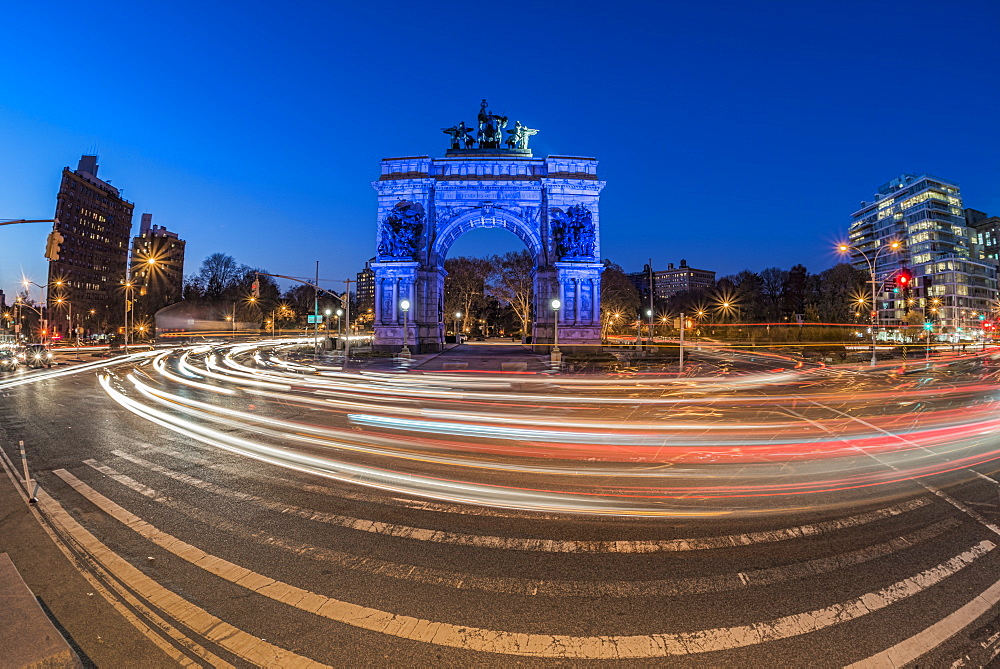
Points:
x=844, y=248
x=405, y=306
x=649, y=315
x=458, y=333
x=44, y=314
x=556, y=357
x=69, y=317
x=340, y=312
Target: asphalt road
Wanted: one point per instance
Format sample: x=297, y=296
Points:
x=789, y=517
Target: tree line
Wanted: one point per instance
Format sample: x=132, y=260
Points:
x=222, y=281
x=494, y=295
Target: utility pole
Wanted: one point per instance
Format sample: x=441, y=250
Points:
x=347, y=311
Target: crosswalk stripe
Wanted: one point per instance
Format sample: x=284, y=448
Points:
x=537, y=587
x=922, y=643
x=531, y=644
x=540, y=545
x=234, y=640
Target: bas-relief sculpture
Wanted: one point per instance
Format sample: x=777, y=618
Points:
x=489, y=135
x=572, y=231
x=400, y=230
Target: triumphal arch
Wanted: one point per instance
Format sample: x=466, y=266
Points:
x=488, y=178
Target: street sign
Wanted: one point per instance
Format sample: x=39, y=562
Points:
x=313, y=318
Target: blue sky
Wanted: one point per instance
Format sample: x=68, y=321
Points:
x=732, y=134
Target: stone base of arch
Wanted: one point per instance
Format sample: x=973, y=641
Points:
x=577, y=286
x=421, y=327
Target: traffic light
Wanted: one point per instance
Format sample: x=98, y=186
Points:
x=904, y=279
x=255, y=288
x=52, y=245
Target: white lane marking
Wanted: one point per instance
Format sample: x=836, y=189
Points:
x=922, y=483
x=984, y=476
x=922, y=643
x=529, y=644
x=234, y=640
x=541, y=545
x=531, y=587
x=53, y=519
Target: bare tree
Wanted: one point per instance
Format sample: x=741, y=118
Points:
x=465, y=285
x=218, y=272
x=773, y=280
x=511, y=282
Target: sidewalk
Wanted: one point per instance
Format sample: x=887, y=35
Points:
x=484, y=357
x=97, y=633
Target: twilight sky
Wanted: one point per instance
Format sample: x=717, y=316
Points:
x=732, y=134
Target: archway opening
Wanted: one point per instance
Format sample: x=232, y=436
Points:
x=489, y=289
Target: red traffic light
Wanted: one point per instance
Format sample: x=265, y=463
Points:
x=904, y=278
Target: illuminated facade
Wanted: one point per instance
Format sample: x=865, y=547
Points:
x=95, y=222
x=365, y=292
x=986, y=231
x=425, y=204
x=952, y=287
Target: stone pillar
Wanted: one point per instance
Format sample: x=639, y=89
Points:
x=577, y=285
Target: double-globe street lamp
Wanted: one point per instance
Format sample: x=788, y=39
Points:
x=892, y=246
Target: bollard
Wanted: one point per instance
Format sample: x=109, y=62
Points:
x=27, y=479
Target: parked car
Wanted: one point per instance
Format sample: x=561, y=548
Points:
x=38, y=355
x=8, y=360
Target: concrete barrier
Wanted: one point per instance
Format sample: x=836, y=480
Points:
x=513, y=366
x=27, y=636
x=454, y=365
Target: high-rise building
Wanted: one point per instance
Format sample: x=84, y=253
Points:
x=95, y=222
x=157, y=268
x=951, y=286
x=366, y=289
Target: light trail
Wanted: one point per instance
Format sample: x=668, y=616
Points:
x=659, y=446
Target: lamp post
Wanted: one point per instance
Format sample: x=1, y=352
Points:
x=458, y=332
x=843, y=248
x=556, y=356
x=405, y=351
x=649, y=315
x=69, y=317
x=680, y=349
x=326, y=322
x=44, y=314
x=340, y=312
